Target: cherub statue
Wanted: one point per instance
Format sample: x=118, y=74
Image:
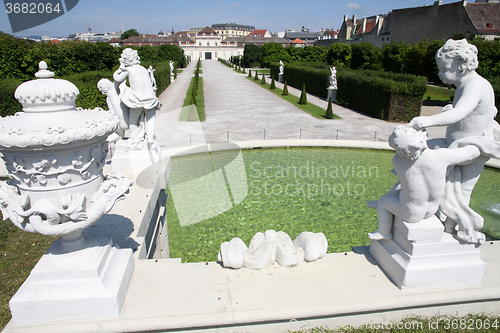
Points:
x=282, y=68
x=111, y=89
x=469, y=120
x=422, y=178
x=140, y=97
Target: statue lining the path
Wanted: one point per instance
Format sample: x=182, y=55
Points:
x=471, y=129
x=282, y=68
x=333, y=78
x=140, y=97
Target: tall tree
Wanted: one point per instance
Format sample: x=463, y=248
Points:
x=129, y=33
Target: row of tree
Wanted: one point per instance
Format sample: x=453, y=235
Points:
x=416, y=59
x=19, y=58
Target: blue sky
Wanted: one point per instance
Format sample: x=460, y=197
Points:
x=152, y=16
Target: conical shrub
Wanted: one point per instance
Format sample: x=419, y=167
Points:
x=256, y=76
x=263, y=79
x=273, y=85
x=329, y=110
x=285, y=89
x=192, y=100
x=250, y=73
x=303, y=97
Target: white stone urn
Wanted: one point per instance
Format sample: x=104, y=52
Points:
x=55, y=154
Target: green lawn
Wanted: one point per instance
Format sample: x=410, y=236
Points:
x=19, y=253
x=310, y=108
x=438, y=94
x=437, y=324
x=200, y=102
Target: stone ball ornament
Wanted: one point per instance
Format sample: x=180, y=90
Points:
x=55, y=153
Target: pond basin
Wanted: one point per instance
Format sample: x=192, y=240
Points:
x=237, y=193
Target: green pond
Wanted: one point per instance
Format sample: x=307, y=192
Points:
x=292, y=190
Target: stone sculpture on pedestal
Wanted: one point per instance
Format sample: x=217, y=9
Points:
x=270, y=247
x=172, y=74
x=116, y=106
x=55, y=156
x=140, y=98
x=282, y=71
x=436, y=181
x=332, y=89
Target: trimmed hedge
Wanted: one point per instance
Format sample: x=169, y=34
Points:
x=383, y=95
x=9, y=105
x=315, y=79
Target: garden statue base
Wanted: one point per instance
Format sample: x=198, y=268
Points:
x=332, y=94
x=172, y=78
x=421, y=255
x=133, y=162
x=280, y=78
x=84, y=284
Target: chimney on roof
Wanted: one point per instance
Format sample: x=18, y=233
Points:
x=354, y=19
x=345, y=18
x=364, y=25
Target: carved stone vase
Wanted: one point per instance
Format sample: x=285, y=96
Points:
x=55, y=154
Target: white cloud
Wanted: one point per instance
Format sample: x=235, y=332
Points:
x=353, y=6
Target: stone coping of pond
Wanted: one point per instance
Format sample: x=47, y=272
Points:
x=339, y=289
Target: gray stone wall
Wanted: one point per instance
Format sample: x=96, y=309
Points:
x=412, y=25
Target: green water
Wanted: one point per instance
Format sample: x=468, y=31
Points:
x=295, y=190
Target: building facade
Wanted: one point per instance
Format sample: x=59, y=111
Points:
x=232, y=29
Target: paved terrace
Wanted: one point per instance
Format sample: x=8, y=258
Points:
x=238, y=109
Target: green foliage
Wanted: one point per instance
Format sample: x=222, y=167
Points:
x=263, y=79
x=166, y=52
x=366, y=56
x=251, y=54
x=488, y=57
x=196, y=103
x=12, y=51
x=303, y=96
x=394, y=56
x=249, y=73
x=273, y=85
x=256, y=76
x=129, y=33
x=339, y=55
x=9, y=105
x=273, y=52
x=329, y=110
x=316, y=79
x=383, y=95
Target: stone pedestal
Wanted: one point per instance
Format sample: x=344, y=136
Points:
x=280, y=78
x=172, y=78
x=134, y=162
x=421, y=255
x=85, y=284
x=332, y=94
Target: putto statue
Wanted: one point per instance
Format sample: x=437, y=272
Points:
x=425, y=219
x=116, y=106
x=422, y=179
x=282, y=68
x=140, y=98
x=469, y=121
